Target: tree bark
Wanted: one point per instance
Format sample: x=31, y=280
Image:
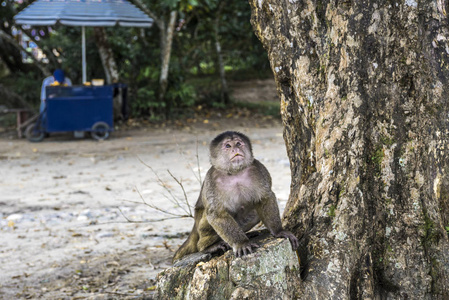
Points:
x=220, y=64
x=166, y=45
x=364, y=92
x=166, y=32
x=106, y=55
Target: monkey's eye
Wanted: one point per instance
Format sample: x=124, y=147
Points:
x=238, y=144
x=228, y=146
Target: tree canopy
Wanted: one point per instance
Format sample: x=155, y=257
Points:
x=193, y=72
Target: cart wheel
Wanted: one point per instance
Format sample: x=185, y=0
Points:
x=100, y=131
x=34, y=132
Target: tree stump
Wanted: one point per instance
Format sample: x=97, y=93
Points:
x=272, y=272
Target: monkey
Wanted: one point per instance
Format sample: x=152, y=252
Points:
x=235, y=196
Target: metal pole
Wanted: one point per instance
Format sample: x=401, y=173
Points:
x=83, y=42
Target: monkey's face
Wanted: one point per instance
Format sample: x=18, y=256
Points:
x=232, y=154
x=235, y=150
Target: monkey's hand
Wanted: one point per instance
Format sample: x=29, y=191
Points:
x=288, y=235
x=245, y=249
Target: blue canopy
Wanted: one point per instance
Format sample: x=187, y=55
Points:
x=95, y=13
x=83, y=13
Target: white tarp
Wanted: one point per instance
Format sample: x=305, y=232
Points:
x=98, y=13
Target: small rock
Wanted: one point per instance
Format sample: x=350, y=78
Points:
x=104, y=235
x=14, y=217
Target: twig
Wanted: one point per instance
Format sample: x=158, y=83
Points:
x=131, y=221
x=198, y=163
x=183, y=190
x=173, y=198
x=155, y=207
x=197, y=176
x=164, y=185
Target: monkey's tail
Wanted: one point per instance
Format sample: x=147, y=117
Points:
x=189, y=246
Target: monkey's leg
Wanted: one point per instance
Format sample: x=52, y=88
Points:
x=268, y=212
x=229, y=230
x=188, y=247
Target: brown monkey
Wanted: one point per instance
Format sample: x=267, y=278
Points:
x=235, y=196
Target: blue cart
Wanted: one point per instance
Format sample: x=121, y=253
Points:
x=77, y=109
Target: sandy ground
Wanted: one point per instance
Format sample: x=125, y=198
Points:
x=73, y=223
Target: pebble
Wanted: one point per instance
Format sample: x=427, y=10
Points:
x=82, y=218
x=53, y=218
x=104, y=235
x=14, y=217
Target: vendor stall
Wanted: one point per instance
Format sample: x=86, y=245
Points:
x=75, y=108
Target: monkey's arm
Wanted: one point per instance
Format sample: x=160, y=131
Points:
x=229, y=230
x=268, y=212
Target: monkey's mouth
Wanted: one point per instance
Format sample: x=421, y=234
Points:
x=236, y=155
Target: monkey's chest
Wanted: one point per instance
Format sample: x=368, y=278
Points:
x=239, y=192
x=240, y=198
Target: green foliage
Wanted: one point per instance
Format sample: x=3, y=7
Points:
x=146, y=102
x=28, y=86
x=182, y=94
x=193, y=75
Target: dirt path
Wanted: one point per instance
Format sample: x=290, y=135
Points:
x=63, y=204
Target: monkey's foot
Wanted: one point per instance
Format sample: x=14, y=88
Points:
x=220, y=246
x=192, y=259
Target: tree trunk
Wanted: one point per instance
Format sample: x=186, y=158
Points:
x=110, y=69
x=364, y=103
x=220, y=64
x=166, y=32
x=106, y=55
x=166, y=53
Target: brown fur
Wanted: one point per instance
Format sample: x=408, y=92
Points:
x=235, y=196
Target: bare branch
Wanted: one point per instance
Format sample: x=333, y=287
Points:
x=173, y=199
x=159, y=22
x=146, y=221
x=198, y=163
x=155, y=207
x=13, y=42
x=183, y=190
x=197, y=176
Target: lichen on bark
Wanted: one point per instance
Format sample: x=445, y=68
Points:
x=272, y=272
x=363, y=87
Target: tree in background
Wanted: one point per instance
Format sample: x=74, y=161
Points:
x=168, y=68
x=364, y=102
